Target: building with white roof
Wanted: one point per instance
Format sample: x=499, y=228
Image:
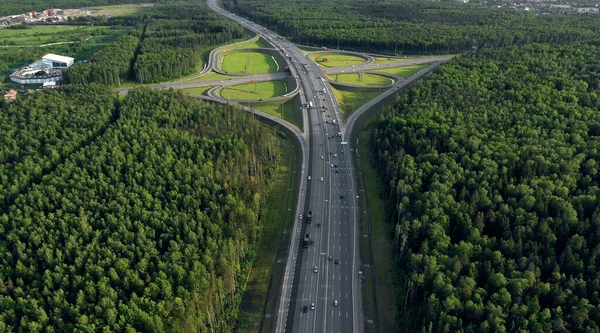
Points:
x=58, y=61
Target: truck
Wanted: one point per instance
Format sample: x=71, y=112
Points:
x=306, y=241
x=309, y=217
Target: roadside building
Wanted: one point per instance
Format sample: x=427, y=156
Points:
x=58, y=61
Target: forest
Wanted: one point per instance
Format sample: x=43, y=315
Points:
x=411, y=27
x=169, y=42
x=40, y=131
x=490, y=170
x=149, y=227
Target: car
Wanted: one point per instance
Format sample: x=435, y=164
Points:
x=321, y=178
x=300, y=217
x=334, y=155
x=305, y=309
x=335, y=303
x=309, y=177
x=329, y=257
x=321, y=156
x=341, y=195
x=312, y=306
x=336, y=261
x=315, y=270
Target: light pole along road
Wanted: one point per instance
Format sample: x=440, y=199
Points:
x=310, y=277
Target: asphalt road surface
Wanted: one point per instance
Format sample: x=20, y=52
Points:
x=333, y=228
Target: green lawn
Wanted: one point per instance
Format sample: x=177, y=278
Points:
x=349, y=101
x=278, y=218
x=121, y=10
x=404, y=71
x=255, y=91
x=362, y=80
x=381, y=294
x=211, y=76
x=336, y=59
x=291, y=110
x=249, y=63
x=198, y=90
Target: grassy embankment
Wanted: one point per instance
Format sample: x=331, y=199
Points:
x=336, y=59
x=278, y=218
x=366, y=79
x=350, y=100
x=380, y=293
x=255, y=91
x=289, y=108
x=404, y=71
x=249, y=62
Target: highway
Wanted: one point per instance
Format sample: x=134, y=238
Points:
x=334, y=221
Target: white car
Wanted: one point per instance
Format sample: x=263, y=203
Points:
x=312, y=306
x=309, y=177
x=300, y=217
x=321, y=156
x=315, y=269
x=335, y=303
x=321, y=178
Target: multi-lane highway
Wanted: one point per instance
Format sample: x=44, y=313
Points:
x=319, y=294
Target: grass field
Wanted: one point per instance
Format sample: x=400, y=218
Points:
x=121, y=10
x=349, y=101
x=278, y=217
x=255, y=91
x=211, y=76
x=290, y=109
x=366, y=80
x=198, y=90
x=20, y=46
x=249, y=63
x=336, y=59
x=380, y=291
x=404, y=71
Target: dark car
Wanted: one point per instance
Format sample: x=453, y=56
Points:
x=336, y=261
x=305, y=309
x=341, y=195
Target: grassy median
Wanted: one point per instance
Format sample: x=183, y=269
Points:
x=364, y=79
x=404, y=71
x=349, y=100
x=380, y=291
x=255, y=91
x=336, y=59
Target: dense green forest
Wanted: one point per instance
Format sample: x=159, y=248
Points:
x=490, y=168
x=414, y=27
x=150, y=227
x=175, y=38
x=112, y=65
x=172, y=41
x=15, y=7
x=37, y=132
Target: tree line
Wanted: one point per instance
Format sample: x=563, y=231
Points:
x=411, y=27
x=490, y=169
x=150, y=227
